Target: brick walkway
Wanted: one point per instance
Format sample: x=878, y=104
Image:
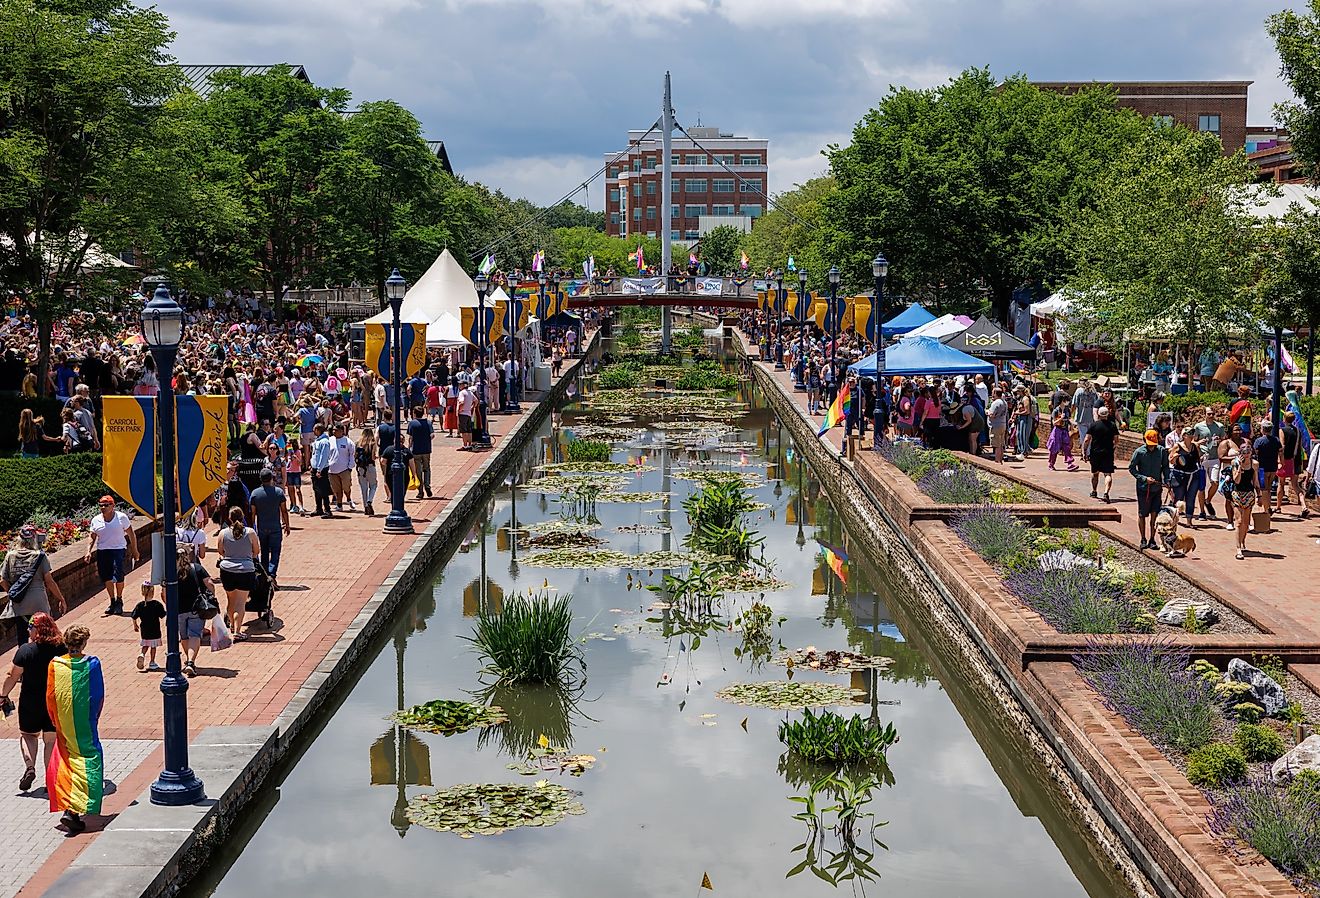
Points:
x=329, y=569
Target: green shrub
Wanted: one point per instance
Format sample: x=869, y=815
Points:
x=1272, y=666
x=1258, y=743
x=12, y=405
x=832, y=738
x=60, y=484
x=1206, y=671
x=715, y=516
x=1305, y=786
x=1231, y=692
x=706, y=376
x=1247, y=712
x=1146, y=585
x=529, y=640
x=588, y=450
x=1216, y=765
x=1013, y=494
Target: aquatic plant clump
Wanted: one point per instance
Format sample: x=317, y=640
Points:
x=992, y=531
x=448, y=716
x=1075, y=600
x=610, y=558
x=529, y=640
x=958, y=485
x=1147, y=682
x=594, y=467
x=1282, y=824
x=488, y=809
x=834, y=660
x=832, y=738
x=789, y=695
x=588, y=451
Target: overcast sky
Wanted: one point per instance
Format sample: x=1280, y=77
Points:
x=528, y=94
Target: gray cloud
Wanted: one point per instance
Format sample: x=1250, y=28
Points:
x=528, y=94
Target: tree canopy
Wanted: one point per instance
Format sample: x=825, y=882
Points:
x=1297, y=39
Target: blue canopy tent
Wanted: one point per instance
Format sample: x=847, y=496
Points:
x=921, y=355
x=911, y=318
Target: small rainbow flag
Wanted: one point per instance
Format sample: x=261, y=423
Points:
x=638, y=257
x=835, y=556
x=75, y=691
x=838, y=410
x=744, y=262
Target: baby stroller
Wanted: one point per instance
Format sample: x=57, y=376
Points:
x=259, y=600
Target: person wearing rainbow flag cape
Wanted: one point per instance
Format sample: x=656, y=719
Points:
x=75, y=692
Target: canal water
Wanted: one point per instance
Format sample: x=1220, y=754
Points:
x=684, y=785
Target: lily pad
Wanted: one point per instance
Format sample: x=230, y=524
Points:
x=789, y=695
x=747, y=580
x=491, y=808
x=593, y=467
x=833, y=660
x=449, y=716
x=609, y=558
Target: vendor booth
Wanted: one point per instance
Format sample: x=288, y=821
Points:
x=921, y=355
x=911, y=318
x=944, y=326
x=987, y=340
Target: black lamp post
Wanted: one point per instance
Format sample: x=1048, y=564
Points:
x=481, y=433
x=834, y=330
x=779, y=324
x=397, y=521
x=162, y=328
x=801, y=372
x=879, y=271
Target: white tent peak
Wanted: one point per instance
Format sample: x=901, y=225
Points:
x=445, y=287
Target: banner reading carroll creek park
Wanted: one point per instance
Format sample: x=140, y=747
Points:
x=380, y=348
x=201, y=432
x=128, y=440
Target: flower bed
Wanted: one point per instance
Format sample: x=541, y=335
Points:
x=941, y=475
x=1214, y=728
x=56, y=531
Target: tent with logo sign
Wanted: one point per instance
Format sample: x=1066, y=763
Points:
x=987, y=340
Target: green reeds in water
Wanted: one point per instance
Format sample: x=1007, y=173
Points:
x=530, y=640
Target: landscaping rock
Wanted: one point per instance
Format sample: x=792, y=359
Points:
x=1174, y=613
x=1306, y=756
x=1264, y=691
x=1061, y=560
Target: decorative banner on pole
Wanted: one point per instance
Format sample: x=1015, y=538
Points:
x=128, y=460
x=545, y=304
x=472, y=333
x=864, y=319
x=201, y=433
x=513, y=315
x=380, y=351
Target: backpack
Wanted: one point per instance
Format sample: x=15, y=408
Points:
x=84, y=442
x=18, y=587
x=362, y=457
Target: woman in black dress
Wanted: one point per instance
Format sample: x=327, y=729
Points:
x=31, y=664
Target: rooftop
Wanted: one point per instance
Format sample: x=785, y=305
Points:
x=198, y=77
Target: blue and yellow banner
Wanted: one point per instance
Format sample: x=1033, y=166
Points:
x=200, y=439
x=491, y=325
x=513, y=314
x=865, y=320
x=128, y=459
x=545, y=304
x=380, y=349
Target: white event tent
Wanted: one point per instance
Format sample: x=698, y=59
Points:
x=938, y=329
x=435, y=299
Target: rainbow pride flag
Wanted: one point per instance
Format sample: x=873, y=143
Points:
x=835, y=556
x=838, y=411
x=75, y=692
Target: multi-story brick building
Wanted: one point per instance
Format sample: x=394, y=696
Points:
x=1219, y=107
x=728, y=179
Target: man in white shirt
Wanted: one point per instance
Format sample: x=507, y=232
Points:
x=467, y=402
x=113, y=541
x=341, y=467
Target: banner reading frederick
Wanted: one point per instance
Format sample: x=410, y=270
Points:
x=201, y=431
x=128, y=440
x=380, y=351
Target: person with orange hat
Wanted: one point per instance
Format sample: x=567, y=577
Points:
x=114, y=546
x=1150, y=467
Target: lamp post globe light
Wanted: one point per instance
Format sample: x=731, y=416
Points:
x=779, y=324
x=800, y=369
x=481, y=433
x=397, y=521
x=162, y=328
x=834, y=331
x=879, y=271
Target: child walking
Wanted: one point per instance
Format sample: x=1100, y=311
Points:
x=147, y=615
x=1061, y=436
x=293, y=477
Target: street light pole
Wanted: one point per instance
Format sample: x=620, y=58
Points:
x=801, y=368
x=397, y=521
x=162, y=327
x=779, y=324
x=481, y=436
x=879, y=271
x=834, y=331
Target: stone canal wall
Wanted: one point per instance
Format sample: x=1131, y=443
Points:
x=1139, y=811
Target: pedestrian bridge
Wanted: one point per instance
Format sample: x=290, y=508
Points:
x=675, y=290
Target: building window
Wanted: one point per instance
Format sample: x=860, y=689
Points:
x=749, y=186
x=695, y=185
x=750, y=211
x=694, y=160
x=637, y=165
x=691, y=235
x=614, y=173
x=1208, y=123
x=673, y=212
x=650, y=162
x=614, y=218
x=721, y=210
x=650, y=188
x=726, y=159
x=673, y=235
x=694, y=211
x=637, y=188
x=674, y=186
x=722, y=185
x=614, y=194
x=637, y=213
x=750, y=160
x=675, y=159
x=650, y=213
x=1162, y=121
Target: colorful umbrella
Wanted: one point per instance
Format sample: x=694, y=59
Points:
x=135, y=340
x=309, y=360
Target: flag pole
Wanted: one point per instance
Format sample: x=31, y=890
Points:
x=666, y=197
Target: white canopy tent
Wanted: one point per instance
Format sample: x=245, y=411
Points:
x=1056, y=305
x=944, y=326
x=445, y=331
x=445, y=287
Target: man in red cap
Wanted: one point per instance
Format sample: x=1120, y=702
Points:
x=1150, y=466
x=113, y=541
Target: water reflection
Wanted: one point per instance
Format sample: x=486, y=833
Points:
x=535, y=711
